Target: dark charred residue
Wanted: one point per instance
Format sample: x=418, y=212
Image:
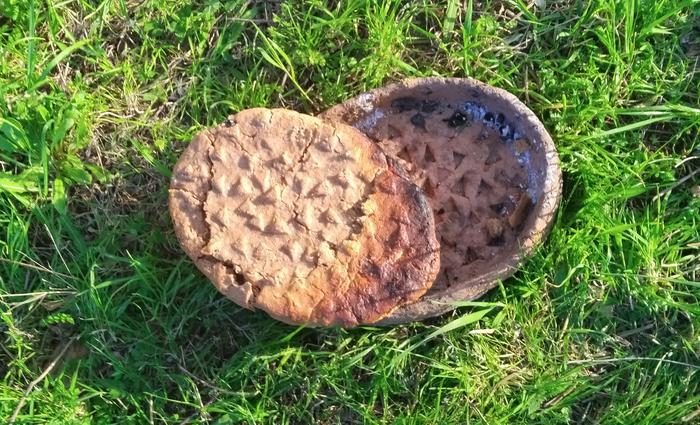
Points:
x=399, y=282
x=497, y=121
x=499, y=208
x=393, y=289
x=418, y=199
x=239, y=278
x=429, y=106
x=403, y=104
x=370, y=269
x=505, y=132
x=470, y=256
x=457, y=119
x=418, y=120
x=497, y=241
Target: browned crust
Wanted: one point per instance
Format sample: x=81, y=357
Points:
x=389, y=259
x=395, y=260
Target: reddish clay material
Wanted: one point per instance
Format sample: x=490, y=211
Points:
x=488, y=166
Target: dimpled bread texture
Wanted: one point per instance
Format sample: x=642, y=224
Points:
x=306, y=220
x=469, y=171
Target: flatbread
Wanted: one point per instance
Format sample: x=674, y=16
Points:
x=306, y=220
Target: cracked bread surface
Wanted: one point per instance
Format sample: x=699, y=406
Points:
x=306, y=220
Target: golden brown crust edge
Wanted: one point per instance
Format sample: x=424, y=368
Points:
x=399, y=254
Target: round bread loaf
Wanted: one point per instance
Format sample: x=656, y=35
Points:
x=306, y=220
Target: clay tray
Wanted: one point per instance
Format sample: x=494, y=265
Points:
x=487, y=165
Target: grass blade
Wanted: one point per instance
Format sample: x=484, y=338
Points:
x=628, y=127
x=460, y=322
x=55, y=61
x=276, y=56
x=448, y=24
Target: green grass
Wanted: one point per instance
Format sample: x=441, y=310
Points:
x=99, y=97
